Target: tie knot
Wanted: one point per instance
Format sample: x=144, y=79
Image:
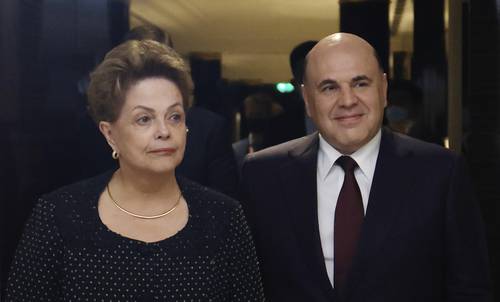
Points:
x=347, y=163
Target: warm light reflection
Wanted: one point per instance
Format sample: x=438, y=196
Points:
x=446, y=143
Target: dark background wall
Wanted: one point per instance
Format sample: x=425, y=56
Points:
x=482, y=108
x=47, y=48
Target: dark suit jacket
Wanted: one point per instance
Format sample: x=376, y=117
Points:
x=422, y=237
x=209, y=158
x=240, y=150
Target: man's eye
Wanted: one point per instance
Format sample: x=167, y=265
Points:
x=361, y=84
x=328, y=88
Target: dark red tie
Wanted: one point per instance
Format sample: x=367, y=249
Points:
x=349, y=216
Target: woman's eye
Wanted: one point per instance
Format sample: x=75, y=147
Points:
x=176, y=117
x=143, y=120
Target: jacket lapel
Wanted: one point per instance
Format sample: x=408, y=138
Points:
x=298, y=178
x=389, y=190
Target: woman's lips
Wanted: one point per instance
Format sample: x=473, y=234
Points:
x=163, y=151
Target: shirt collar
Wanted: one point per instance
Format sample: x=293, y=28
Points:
x=365, y=157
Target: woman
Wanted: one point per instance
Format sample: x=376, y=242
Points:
x=138, y=233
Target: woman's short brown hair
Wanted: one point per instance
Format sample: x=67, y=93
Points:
x=127, y=64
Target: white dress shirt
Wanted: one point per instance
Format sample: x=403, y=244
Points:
x=330, y=178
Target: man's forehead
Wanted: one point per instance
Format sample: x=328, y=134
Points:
x=342, y=53
x=357, y=51
x=343, y=39
x=343, y=63
x=343, y=60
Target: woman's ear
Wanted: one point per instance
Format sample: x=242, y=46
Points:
x=106, y=130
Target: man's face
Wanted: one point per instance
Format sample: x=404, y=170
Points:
x=345, y=93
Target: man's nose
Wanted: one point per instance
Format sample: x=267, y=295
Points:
x=348, y=96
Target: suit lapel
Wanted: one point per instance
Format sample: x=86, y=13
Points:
x=389, y=190
x=299, y=182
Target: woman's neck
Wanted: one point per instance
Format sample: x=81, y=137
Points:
x=144, y=187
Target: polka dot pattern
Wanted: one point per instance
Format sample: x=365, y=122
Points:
x=67, y=254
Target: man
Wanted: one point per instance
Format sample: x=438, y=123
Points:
x=399, y=225
x=296, y=59
x=260, y=109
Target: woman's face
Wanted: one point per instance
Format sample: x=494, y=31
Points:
x=150, y=132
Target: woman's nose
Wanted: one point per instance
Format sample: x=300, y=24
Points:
x=162, y=131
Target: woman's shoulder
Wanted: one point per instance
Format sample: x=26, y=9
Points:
x=76, y=201
x=213, y=214
x=81, y=190
x=206, y=198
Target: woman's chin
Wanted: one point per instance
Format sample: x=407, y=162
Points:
x=163, y=169
x=156, y=168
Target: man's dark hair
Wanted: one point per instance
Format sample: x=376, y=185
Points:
x=377, y=57
x=149, y=32
x=297, y=59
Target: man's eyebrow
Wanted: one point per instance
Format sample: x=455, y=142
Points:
x=361, y=78
x=326, y=82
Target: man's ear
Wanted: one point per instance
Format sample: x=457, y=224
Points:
x=106, y=130
x=306, y=99
x=384, y=88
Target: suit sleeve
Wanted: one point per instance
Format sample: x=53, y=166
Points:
x=34, y=274
x=467, y=270
x=222, y=170
x=245, y=194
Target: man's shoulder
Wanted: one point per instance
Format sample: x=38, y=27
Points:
x=198, y=115
x=420, y=151
x=418, y=146
x=205, y=125
x=282, y=151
